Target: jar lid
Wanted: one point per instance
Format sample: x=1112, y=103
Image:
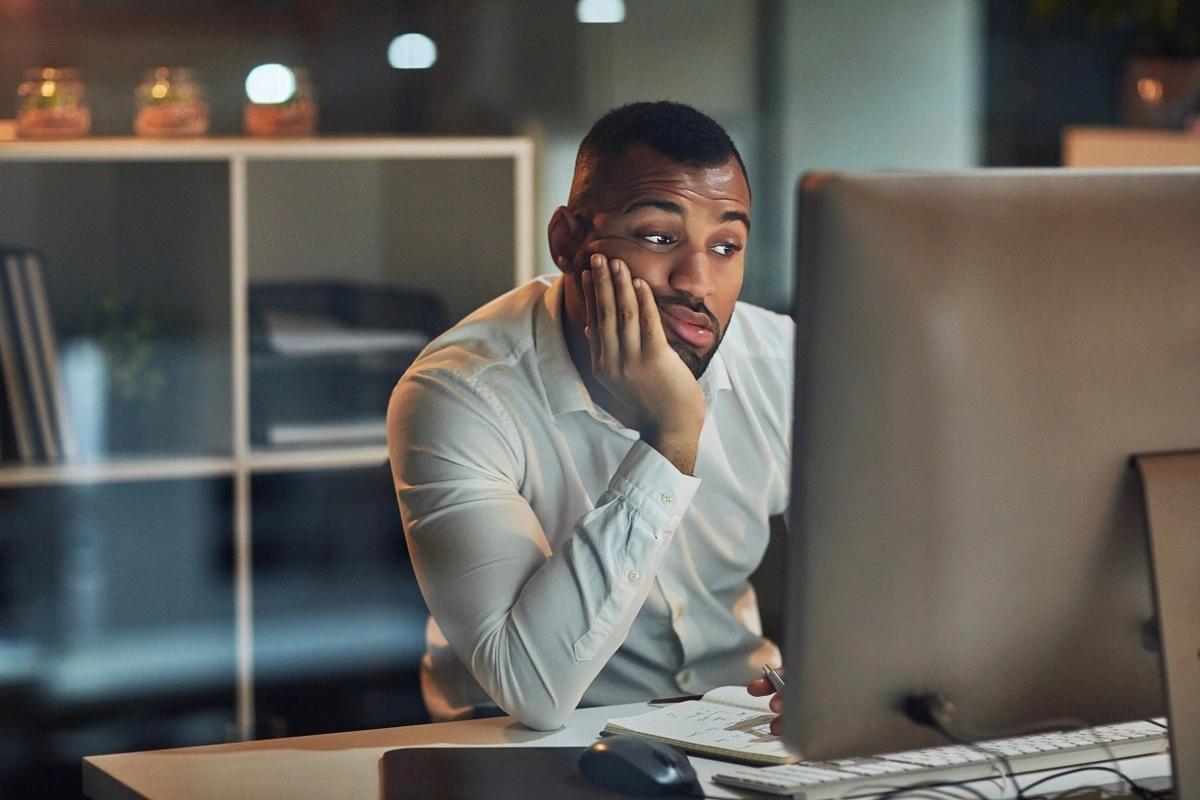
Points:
x=52, y=74
x=169, y=74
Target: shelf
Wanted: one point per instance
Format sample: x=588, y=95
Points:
x=151, y=469
x=160, y=662
x=1130, y=147
x=135, y=149
x=270, y=460
x=116, y=471
x=196, y=557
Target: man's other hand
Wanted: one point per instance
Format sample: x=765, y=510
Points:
x=633, y=361
x=760, y=687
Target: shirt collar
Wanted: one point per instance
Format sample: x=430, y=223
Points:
x=564, y=386
x=565, y=390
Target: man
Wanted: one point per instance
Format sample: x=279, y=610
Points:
x=586, y=466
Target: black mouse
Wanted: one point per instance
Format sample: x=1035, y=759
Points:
x=639, y=766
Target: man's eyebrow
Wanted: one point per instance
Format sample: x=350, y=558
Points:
x=662, y=205
x=675, y=208
x=737, y=216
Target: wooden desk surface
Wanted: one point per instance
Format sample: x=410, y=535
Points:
x=346, y=765
x=336, y=765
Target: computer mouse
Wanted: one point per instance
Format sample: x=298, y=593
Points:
x=638, y=766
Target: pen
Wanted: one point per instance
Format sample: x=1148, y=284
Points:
x=773, y=677
x=660, y=701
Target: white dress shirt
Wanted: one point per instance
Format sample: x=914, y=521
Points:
x=565, y=561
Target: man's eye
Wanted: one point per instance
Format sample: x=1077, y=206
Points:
x=659, y=238
x=727, y=248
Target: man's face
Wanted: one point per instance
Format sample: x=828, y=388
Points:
x=683, y=230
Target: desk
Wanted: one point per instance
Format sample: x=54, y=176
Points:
x=346, y=765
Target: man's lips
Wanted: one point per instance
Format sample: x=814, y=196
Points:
x=693, y=327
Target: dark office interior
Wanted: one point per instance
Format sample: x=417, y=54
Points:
x=119, y=597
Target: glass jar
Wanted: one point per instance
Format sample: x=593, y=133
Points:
x=52, y=104
x=281, y=101
x=170, y=102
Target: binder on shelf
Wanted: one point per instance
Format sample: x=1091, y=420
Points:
x=6, y=446
x=36, y=286
x=35, y=375
x=34, y=423
x=17, y=418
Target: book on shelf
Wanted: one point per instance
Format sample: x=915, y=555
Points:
x=36, y=286
x=7, y=442
x=31, y=355
x=34, y=422
x=727, y=722
x=16, y=420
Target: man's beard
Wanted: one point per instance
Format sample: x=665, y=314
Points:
x=692, y=360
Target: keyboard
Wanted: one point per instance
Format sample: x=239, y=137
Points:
x=857, y=777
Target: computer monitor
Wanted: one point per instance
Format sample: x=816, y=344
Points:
x=979, y=354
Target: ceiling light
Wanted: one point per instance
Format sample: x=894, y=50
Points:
x=270, y=83
x=412, y=51
x=600, y=11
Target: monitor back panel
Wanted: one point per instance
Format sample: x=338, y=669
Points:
x=978, y=356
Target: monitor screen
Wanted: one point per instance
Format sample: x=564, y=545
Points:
x=978, y=356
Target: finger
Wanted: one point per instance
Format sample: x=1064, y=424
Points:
x=777, y=726
x=628, y=323
x=606, y=316
x=589, y=303
x=651, y=326
x=776, y=703
x=760, y=687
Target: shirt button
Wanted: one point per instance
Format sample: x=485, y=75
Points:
x=667, y=498
x=677, y=612
x=684, y=678
x=634, y=576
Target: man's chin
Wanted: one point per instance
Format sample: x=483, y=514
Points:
x=696, y=362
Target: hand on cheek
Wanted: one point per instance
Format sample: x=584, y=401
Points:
x=631, y=358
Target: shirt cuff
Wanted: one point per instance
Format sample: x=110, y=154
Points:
x=654, y=486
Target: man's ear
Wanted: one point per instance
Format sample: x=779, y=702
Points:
x=565, y=234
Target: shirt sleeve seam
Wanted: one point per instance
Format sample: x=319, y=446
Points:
x=507, y=425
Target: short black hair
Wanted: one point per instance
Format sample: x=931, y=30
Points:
x=678, y=131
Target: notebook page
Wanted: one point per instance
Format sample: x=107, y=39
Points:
x=738, y=697
x=711, y=729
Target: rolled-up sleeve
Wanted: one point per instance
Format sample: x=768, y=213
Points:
x=534, y=627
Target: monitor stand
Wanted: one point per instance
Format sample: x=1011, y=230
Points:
x=1171, y=493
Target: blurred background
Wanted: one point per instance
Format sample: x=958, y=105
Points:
x=204, y=544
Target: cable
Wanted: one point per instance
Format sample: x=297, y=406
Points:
x=1138, y=790
x=935, y=711
x=1070, y=724
x=900, y=791
x=1077, y=790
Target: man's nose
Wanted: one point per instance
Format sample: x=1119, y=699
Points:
x=693, y=274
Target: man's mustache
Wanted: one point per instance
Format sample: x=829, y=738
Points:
x=690, y=304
